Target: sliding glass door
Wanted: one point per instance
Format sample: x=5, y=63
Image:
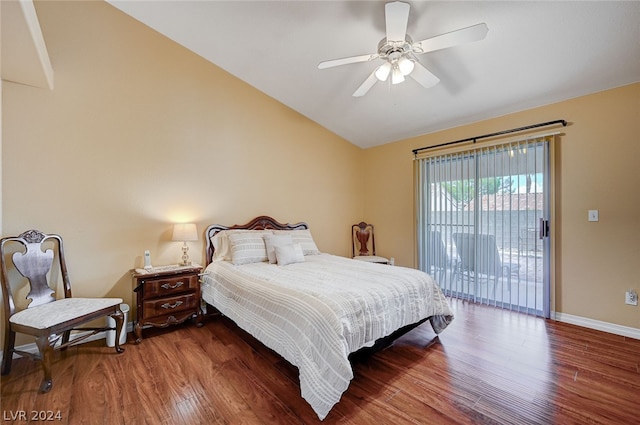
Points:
x=483, y=224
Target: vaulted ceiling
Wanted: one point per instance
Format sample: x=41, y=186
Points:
x=535, y=53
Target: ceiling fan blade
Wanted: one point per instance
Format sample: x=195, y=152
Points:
x=364, y=87
x=450, y=39
x=396, y=18
x=423, y=76
x=345, y=61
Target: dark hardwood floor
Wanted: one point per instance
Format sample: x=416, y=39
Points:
x=488, y=367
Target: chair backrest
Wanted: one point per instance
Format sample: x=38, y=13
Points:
x=436, y=252
x=486, y=260
x=32, y=254
x=363, y=238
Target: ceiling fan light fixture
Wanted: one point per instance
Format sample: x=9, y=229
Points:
x=406, y=65
x=382, y=73
x=398, y=51
x=396, y=75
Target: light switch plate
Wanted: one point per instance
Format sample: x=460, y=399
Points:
x=593, y=215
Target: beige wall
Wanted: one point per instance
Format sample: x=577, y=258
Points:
x=1, y=232
x=596, y=168
x=140, y=133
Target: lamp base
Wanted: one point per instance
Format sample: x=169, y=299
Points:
x=185, y=256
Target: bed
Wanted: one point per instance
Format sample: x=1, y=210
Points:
x=312, y=308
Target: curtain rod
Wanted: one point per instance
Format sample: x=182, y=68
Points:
x=499, y=133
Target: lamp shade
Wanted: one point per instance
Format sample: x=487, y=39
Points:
x=406, y=66
x=184, y=232
x=382, y=73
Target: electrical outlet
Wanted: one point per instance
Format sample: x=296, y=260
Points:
x=631, y=297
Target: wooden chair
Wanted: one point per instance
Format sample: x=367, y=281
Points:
x=48, y=319
x=363, y=237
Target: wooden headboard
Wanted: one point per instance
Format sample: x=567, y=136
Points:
x=258, y=223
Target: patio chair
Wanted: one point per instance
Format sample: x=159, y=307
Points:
x=484, y=264
x=436, y=259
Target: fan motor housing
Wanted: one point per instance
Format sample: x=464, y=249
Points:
x=386, y=49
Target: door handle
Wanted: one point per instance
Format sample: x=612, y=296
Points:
x=543, y=230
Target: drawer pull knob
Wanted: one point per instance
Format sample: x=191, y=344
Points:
x=169, y=286
x=174, y=305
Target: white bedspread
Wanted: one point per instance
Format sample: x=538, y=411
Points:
x=317, y=312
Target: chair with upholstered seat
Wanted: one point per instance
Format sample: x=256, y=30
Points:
x=363, y=238
x=49, y=320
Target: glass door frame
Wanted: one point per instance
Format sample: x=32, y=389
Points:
x=425, y=204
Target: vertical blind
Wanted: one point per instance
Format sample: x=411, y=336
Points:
x=479, y=217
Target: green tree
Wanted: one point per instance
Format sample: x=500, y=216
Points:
x=463, y=191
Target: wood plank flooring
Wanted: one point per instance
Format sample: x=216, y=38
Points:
x=488, y=367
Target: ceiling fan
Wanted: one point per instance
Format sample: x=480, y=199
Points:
x=398, y=51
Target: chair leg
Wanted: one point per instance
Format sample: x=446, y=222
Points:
x=454, y=277
x=9, y=345
x=507, y=271
x=118, y=316
x=44, y=345
x=65, y=338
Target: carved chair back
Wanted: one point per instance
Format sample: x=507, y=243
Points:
x=363, y=237
x=34, y=262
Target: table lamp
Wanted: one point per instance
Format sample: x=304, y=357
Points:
x=185, y=232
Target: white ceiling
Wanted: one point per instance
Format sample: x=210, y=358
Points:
x=535, y=53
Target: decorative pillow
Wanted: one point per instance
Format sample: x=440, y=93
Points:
x=304, y=238
x=271, y=241
x=289, y=254
x=222, y=246
x=222, y=250
x=248, y=247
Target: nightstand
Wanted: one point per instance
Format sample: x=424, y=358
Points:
x=166, y=295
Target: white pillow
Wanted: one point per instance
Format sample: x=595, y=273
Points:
x=289, y=254
x=304, y=238
x=271, y=241
x=222, y=250
x=248, y=247
x=222, y=246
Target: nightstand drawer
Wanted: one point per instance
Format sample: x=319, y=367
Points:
x=170, y=285
x=157, y=307
x=166, y=296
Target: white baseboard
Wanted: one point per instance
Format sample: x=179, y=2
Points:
x=33, y=348
x=598, y=325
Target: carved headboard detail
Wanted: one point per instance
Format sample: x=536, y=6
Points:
x=259, y=223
